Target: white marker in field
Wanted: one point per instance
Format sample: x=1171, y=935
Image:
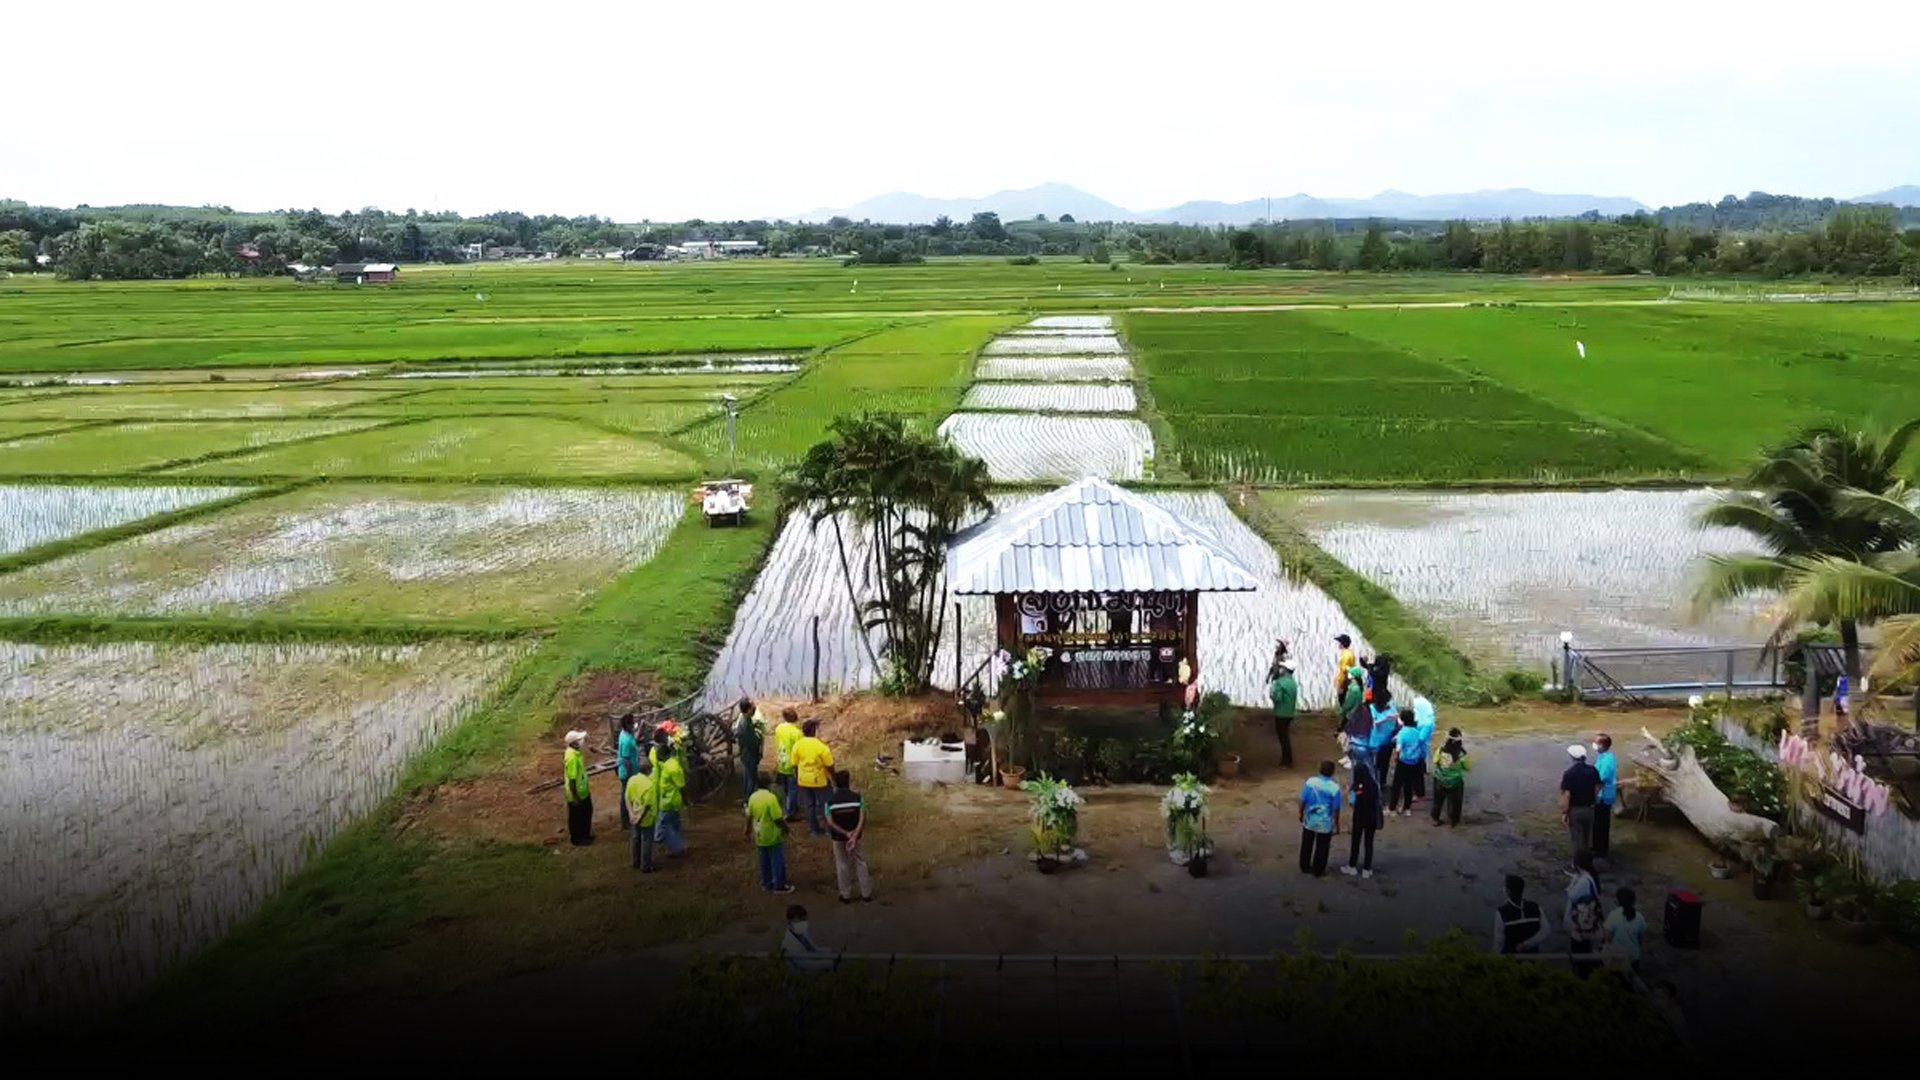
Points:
x=1582, y=346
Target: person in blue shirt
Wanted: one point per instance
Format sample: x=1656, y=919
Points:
x=1609, y=769
x=1410, y=749
x=1386, y=726
x=626, y=762
x=1319, y=820
x=1426, y=720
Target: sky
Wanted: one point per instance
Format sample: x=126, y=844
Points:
x=664, y=110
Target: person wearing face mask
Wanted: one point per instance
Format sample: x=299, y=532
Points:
x=1605, y=764
x=804, y=954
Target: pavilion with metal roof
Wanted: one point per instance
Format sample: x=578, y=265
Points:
x=1106, y=580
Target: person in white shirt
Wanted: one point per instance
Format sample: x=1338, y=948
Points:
x=797, y=945
x=1624, y=933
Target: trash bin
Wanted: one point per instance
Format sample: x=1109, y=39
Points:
x=1682, y=923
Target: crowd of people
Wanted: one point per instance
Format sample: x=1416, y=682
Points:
x=805, y=785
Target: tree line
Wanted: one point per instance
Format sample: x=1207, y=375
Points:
x=1763, y=235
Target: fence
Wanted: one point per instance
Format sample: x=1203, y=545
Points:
x=1635, y=674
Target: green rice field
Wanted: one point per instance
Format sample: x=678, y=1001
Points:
x=141, y=446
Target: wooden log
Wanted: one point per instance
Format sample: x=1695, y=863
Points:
x=1687, y=786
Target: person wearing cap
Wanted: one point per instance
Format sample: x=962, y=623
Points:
x=1351, y=698
x=1343, y=666
x=1579, y=790
x=1284, y=690
x=1605, y=764
x=579, y=795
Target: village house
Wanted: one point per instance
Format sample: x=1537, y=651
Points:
x=365, y=273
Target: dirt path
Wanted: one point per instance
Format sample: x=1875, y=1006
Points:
x=984, y=898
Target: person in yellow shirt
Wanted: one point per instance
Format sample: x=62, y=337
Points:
x=767, y=828
x=643, y=809
x=1341, y=664
x=784, y=737
x=813, y=768
x=579, y=794
x=670, y=782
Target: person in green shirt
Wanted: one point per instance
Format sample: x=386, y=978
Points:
x=767, y=828
x=1450, y=778
x=1285, y=692
x=643, y=808
x=750, y=736
x=670, y=776
x=1352, y=696
x=579, y=795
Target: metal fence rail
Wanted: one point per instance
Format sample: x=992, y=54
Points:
x=1673, y=671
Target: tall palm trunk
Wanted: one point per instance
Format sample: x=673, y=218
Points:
x=846, y=575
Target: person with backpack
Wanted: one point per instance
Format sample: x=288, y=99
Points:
x=1585, y=918
x=1352, y=694
x=1450, y=778
x=1519, y=926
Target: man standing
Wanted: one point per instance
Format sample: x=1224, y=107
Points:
x=626, y=764
x=1319, y=820
x=670, y=775
x=784, y=736
x=1579, y=788
x=847, y=825
x=1285, y=692
x=579, y=795
x=641, y=800
x=812, y=765
x=1519, y=926
x=1608, y=769
x=767, y=828
x=750, y=736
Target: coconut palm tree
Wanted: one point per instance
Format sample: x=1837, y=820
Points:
x=1814, y=502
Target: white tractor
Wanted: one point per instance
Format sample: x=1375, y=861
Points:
x=724, y=501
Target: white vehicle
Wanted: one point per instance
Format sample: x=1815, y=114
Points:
x=724, y=500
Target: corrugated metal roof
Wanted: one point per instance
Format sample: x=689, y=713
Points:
x=1092, y=536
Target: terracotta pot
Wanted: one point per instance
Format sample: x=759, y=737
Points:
x=1229, y=765
x=1011, y=776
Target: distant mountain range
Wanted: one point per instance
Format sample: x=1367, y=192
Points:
x=1054, y=200
x=1904, y=195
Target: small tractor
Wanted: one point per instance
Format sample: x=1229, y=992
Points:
x=724, y=501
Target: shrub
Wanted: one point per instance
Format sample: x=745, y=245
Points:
x=1740, y=774
x=1024, y=260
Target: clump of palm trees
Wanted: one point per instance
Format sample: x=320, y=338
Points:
x=906, y=493
x=1835, y=516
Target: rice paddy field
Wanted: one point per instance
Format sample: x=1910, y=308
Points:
x=267, y=548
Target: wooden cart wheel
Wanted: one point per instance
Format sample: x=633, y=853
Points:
x=710, y=754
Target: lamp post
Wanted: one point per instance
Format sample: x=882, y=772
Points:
x=733, y=412
x=1566, y=663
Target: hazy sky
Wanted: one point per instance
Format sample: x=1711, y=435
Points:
x=668, y=109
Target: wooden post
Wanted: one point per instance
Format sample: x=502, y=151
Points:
x=957, y=688
x=816, y=659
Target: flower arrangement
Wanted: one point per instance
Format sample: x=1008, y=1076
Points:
x=1055, y=813
x=1185, y=809
x=1023, y=670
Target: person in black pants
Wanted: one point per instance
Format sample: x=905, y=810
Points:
x=1410, y=763
x=1319, y=819
x=1365, y=792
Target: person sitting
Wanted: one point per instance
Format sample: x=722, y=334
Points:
x=803, y=954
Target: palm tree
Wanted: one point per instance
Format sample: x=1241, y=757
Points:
x=1819, y=499
x=910, y=492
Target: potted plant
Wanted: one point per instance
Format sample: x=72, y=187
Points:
x=1185, y=809
x=1764, y=860
x=1720, y=868
x=1812, y=890
x=1055, y=824
x=1856, y=903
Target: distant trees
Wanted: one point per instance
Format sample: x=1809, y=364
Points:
x=1373, y=248
x=986, y=225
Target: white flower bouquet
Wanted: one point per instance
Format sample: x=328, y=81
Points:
x=1185, y=809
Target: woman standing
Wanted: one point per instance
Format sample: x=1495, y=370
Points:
x=1625, y=932
x=1585, y=926
x=1364, y=791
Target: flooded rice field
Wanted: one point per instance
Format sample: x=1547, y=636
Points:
x=1053, y=369
x=1051, y=397
x=427, y=553
x=35, y=514
x=1030, y=447
x=155, y=795
x=1504, y=574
